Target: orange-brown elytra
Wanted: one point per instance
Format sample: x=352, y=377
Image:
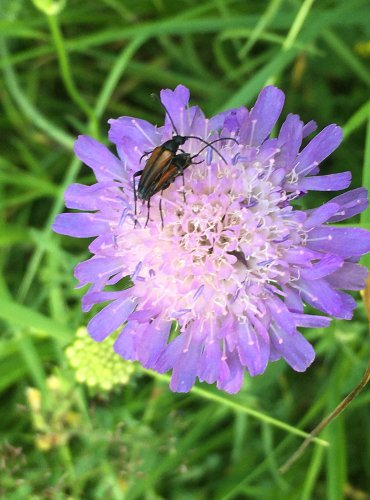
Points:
x=164, y=165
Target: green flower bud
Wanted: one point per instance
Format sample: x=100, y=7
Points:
x=97, y=365
x=49, y=7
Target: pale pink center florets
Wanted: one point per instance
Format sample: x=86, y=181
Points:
x=220, y=246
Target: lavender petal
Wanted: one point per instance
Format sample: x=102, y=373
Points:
x=263, y=116
x=110, y=318
x=320, y=147
x=105, y=165
x=80, y=225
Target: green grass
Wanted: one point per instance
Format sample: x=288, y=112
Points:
x=67, y=74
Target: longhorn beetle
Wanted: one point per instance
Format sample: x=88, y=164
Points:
x=164, y=164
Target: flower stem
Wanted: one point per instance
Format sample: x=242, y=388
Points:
x=297, y=24
x=239, y=408
x=327, y=420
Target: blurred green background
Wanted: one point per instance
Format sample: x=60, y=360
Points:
x=66, y=67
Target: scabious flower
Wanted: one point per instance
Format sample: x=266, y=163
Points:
x=234, y=263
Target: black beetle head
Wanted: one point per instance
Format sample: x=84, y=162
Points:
x=179, y=139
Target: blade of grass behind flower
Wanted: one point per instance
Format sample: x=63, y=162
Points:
x=27, y=107
x=246, y=93
x=347, y=56
x=238, y=407
x=365, y=216
x=336, y=456
x=356, y=120
x=17, y=314
x=312, y=474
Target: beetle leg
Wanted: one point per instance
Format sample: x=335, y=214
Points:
x=136, y=174
x=147, y=219
x=160, y=210
x=181, y=172
x=183, y=185
x=146, y=153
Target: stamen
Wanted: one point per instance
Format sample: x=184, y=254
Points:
x=271, y=155
x=329, y=237
x=111, y=272
x=198, y=293
x=265, y=262
x=254, y=122
x=182, y=120
x=280, y=340
x=295, y=195
x=235, y=160
x=135, y=123
x=312, y=297
x=181, y=312
x=249, y=204
x=209, y=156
x=281, y=240
x=224, y=357
x=236, y=295
x=188, y=343
x=137, y=270
x=307, y=169
x=123, y=217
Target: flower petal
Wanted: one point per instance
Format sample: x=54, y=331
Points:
x=319, y=294
x=311, y=321
x=210, y=362
x=289, y=141
x=142, y=133
x=152, y=341
x=110, y=318
x=320, y=215
x=293, y=300
x=80, y=225
x=333, y=182
x=318, y=149
x=95, y=155
x=170, y=354
x=97, y=267
x=253, y=350
x=343, y=241
x=125, y=345
x=295, y=349
x=263, y=116
x=310, y=127
x=93, y=297
x=231, y=379
x=327, y=265
x=351, y=203
x=349, y=277
x=175, y=103
x=235, y=118
x=94, y=197
x=281, y=314
x=185, y=370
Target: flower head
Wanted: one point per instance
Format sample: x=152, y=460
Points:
x=233, y=262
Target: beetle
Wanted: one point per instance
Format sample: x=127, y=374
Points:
x=176, y=166
x=164, y=164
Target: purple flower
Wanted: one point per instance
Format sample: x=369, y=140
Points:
x=234, y=263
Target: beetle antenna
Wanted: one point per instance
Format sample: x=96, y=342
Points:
x=209, y=144
x=154, y=96
x=212, y=142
